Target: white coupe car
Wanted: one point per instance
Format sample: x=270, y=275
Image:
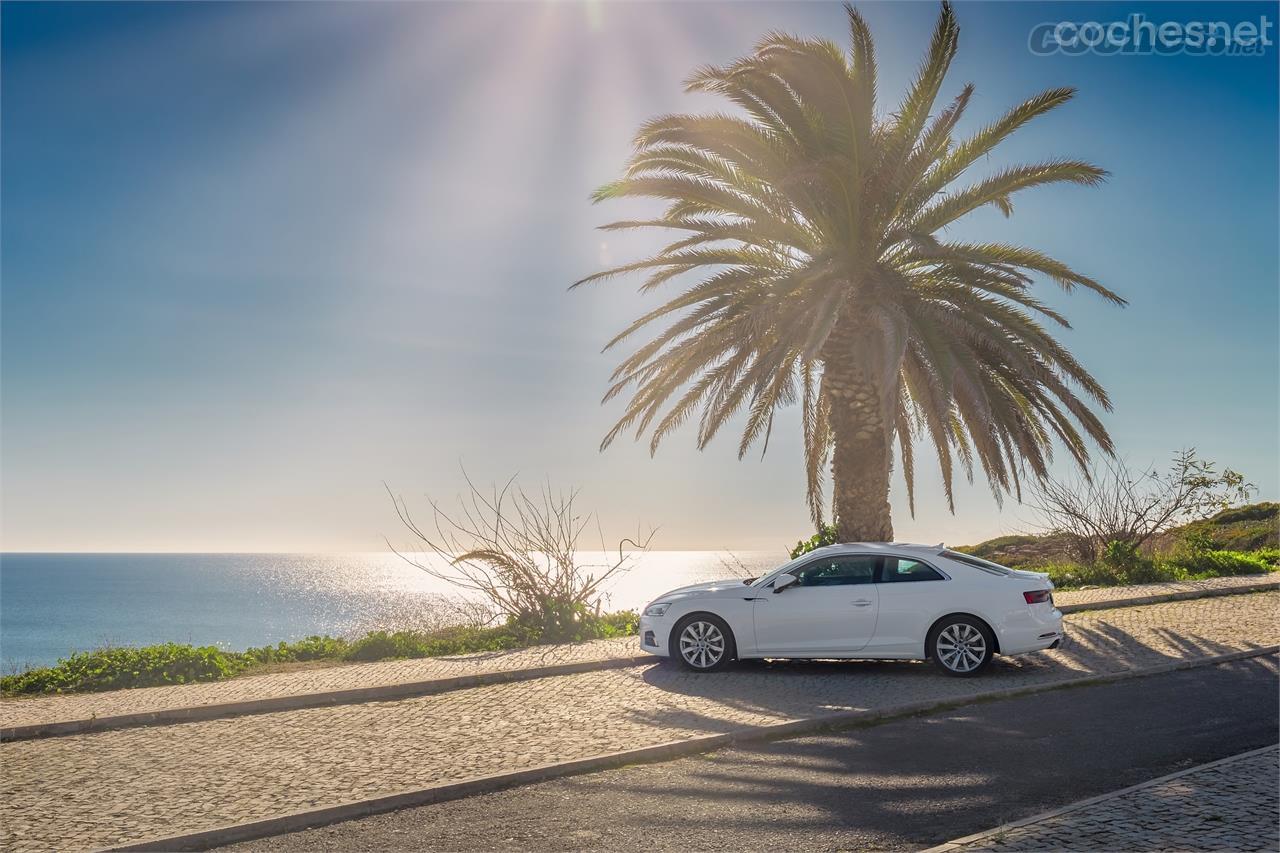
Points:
x=904, y=602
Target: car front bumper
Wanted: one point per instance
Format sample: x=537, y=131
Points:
x=655, y=634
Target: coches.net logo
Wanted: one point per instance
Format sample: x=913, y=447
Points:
x=1137, y=36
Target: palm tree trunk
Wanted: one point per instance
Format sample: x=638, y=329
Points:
x=862, y=458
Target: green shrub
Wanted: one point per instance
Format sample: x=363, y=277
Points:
x=623, y=623
x=1195, y=540
x=826, y=536
x=1214, y=563
x=310, y=648
x=116, y=668
x=1121, y=568
x=556, y=621
x=385, y=645
x=172, y=663
x=1129, y=566
x=1069, y=575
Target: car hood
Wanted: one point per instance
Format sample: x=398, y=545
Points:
x=713, y=589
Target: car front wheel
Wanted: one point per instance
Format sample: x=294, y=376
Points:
x=703, y=642
x=962, y=646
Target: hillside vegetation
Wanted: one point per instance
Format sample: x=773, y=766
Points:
x=1249, y=528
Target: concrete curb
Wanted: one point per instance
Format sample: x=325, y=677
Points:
x=382, y=692
x=379, y=692
x=311, y=818
x=959, y=843
x=1162, y=597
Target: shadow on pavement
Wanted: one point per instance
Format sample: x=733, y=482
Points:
x=779, y=690
x=950, y=766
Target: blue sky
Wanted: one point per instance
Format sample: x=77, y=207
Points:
x=258, y=259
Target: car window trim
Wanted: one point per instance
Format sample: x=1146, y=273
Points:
x=874, y=572
x=880, y=570
x=766, y=580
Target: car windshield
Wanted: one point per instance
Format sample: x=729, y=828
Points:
x=978, y=563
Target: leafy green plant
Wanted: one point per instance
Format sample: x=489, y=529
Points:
x=1129, y=566
x=116, y=668
x=307, y=649
x=621, y=623
x=1195, y=540
x=826, y=535
x=1214, y=563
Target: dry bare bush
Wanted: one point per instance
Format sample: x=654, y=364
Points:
x=521, y=553
x=1112, y=502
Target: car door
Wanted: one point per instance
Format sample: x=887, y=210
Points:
x=909, y=594
x=831, y=609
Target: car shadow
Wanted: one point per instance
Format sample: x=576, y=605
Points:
x=755, y=693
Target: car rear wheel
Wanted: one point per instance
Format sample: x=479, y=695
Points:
x=961, y=646
x=703, y=643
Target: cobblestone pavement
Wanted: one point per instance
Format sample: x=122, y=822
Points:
x=97, y=789
x=1229, y=805
x=21, y=711
x=1120, y=594
x=48, y=709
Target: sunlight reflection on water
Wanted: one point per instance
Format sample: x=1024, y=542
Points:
x=51, y=604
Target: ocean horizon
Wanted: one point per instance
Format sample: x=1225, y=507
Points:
x=54, y=604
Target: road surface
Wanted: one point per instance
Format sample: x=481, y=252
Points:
x=900, y=785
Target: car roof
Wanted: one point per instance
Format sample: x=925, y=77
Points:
x=908, y=547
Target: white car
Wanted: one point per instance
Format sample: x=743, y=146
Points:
x=867, y=600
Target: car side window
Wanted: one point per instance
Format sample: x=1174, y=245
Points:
x=837, y=571
x=900, y=570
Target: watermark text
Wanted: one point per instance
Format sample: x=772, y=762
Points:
x=1138, y=36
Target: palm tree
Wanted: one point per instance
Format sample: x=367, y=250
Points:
x=814, y=227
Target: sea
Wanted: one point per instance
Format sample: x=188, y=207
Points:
x=54, y=604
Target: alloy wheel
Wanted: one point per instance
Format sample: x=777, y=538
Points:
x=701, y=644
x=961, y=647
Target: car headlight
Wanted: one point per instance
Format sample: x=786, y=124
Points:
x=657, y=609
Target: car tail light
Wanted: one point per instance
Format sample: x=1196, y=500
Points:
x=1040, y=596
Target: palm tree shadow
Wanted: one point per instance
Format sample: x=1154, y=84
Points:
x=966, y=770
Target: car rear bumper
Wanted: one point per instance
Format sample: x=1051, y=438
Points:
x=1037, y=632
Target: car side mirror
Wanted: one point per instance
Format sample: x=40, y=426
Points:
x=783, y=582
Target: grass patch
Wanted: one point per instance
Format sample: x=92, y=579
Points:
x=1189, y=566
x=179, y=663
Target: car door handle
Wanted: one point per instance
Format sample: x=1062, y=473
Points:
x=862, y=602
